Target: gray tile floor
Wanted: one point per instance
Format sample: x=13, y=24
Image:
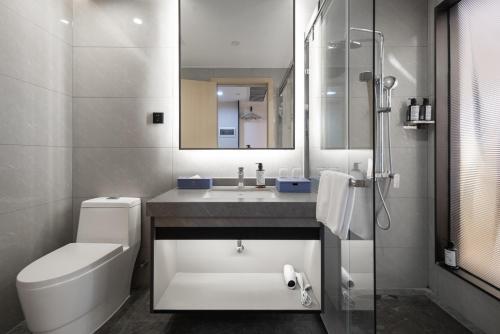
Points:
x=415, y=314
x=395, y=315
x=134, y=317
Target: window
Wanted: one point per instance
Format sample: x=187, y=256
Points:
x=471, y=148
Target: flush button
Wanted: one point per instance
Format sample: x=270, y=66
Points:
x=157, y=118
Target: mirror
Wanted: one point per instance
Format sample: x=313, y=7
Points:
x=237, y=74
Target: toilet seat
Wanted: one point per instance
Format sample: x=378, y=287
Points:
x=66, y=263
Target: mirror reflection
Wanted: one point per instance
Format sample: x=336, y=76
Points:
x=236, y=74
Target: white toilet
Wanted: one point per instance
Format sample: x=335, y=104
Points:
x=78, y=287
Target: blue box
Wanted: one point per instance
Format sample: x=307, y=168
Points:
x=293, y=185
x=184, y=182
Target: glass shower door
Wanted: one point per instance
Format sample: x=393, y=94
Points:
x=340, y=109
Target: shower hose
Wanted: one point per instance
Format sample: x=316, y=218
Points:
x=387, y=185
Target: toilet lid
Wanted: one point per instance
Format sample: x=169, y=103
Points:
x=65, y=263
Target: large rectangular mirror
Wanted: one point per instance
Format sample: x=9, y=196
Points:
x=237, y=74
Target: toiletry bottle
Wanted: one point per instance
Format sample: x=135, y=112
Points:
x=450, y=256
x=260, y=178
x=421, y=113
x=413, y=110
x=426, y=108
x=356, y=173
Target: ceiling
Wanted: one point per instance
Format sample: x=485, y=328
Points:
x=262, y=28
x=233, y=93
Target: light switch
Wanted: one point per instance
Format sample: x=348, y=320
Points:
x=157, y=118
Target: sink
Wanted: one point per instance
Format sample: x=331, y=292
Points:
x=236, y=193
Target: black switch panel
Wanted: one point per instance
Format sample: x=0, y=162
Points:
x=157, y=118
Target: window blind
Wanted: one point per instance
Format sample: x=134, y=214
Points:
x=475, y=137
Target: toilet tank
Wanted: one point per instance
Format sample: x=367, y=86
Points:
x=115, y=220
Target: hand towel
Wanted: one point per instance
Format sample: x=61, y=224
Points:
x=335, y=202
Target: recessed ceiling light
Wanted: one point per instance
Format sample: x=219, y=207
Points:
x=235, y=43
x=220, y=93
x=137, y=20
x=64, y=21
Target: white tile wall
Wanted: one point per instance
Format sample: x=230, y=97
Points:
x=124, y=72
x=35, y=138
x=121, y=122
x=139, y=172
x=41, y=59
x=111, y=23
x=53, y=16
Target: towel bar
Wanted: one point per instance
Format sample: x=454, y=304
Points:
x=358, y=183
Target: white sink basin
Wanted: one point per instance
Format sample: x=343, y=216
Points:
x=235, y=193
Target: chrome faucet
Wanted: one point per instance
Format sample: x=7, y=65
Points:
x=241, y=177
x=239, y=246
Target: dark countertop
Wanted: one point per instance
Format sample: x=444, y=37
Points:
x=199, y=203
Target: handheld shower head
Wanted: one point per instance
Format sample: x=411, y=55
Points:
x=390, y=82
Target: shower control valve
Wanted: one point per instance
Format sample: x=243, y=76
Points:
x=396, y=177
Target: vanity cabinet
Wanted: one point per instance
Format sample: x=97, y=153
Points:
x=195, y=265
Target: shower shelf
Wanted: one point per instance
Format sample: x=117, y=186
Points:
x=417, y=124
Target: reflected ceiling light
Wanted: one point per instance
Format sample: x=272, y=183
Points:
x=64, y=21
x=137, y=20
x=331, y=92
x=220, y=93
x=235, y=43
x=398, y=66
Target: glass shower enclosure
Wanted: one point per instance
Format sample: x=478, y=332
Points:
x=341, y=47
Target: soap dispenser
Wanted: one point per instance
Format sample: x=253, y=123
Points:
x=356, y=172
x=260, y=178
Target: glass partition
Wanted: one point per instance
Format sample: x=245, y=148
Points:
x=340, y=75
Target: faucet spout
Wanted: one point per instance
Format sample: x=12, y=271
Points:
x=241, y=177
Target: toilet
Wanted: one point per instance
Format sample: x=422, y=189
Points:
x=78, y=287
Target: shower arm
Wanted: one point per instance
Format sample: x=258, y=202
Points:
x=380, y=63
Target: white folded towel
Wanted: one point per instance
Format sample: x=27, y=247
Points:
x=335, y=202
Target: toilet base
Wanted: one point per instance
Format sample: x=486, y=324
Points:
x=90, y=322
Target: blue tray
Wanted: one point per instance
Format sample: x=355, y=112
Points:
x=184, y=182
x=293, y=185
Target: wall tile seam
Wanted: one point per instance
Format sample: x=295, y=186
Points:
x=417, y=144
x=390, y=45
x=25, y=18
x=423, y=199
x=175, y=48
x=122, y=98
x=56, y=200
x=35, y=145
x=423, y=247
x=120, y=147
x=165, y=97
x=405, y=46
x=255, y=150
x=64, y=94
